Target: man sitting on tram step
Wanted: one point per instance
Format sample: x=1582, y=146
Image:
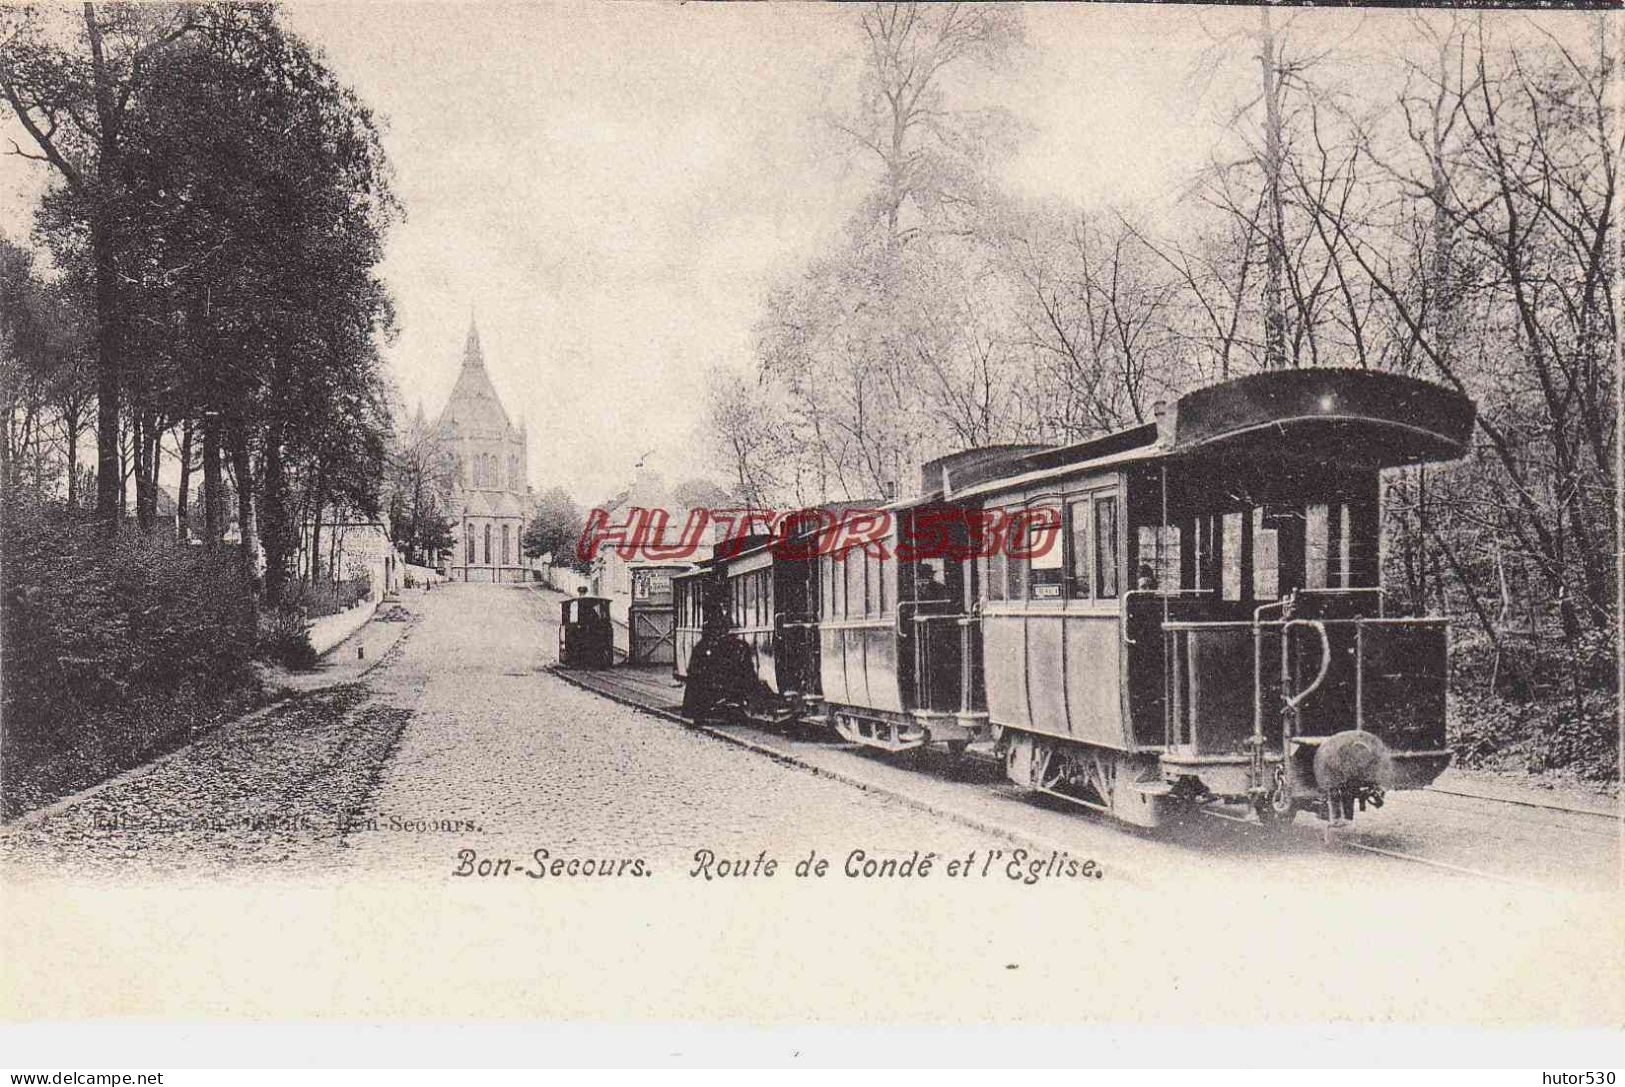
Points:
x=722, y=681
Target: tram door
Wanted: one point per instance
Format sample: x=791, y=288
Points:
x=933, y=593
x=795, y=636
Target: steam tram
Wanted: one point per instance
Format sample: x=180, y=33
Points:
x=1195, y=613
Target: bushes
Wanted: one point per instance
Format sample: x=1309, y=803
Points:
x=283, y=638
x=1525, y=714
x=111, y=655
x=325, y=598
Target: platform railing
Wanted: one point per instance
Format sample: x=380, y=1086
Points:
x=1182, y=727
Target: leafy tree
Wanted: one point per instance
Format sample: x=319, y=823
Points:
x=71, y=80
x=263, y=198
x=555, y=526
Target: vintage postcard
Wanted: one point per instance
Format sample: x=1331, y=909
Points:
x=807, y=515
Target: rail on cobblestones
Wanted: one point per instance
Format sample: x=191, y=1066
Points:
x=601, y=683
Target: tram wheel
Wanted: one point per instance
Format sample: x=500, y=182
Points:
x=957, y=748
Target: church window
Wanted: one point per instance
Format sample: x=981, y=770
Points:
x=469, y=549
x=506, y=553
x=487, y=545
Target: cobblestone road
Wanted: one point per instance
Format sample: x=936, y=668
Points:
x=460, y=740
x=533, y=762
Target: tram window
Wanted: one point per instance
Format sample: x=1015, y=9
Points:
x=868, y=584
x=871, y=595
x=1015, y=569
x=880, y=584
x=1230, y=553
x=995, y=575
x=1201, y=552
x=1048, y=569
x=1266, y=557
x=1015, y=579
x=931, y=579
x=1159, y=554
x=1317, y=572
x=1077, y=550
x=1344, y=567
x=852, y=573
x=1105, y=548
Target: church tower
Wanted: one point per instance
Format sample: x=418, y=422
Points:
x=491, y=496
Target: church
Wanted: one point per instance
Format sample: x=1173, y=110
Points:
x=491, y=496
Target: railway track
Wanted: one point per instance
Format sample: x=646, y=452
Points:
x=1613, y=816
x=628, y=695
x=1338, y=842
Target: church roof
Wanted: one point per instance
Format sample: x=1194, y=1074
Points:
x=492, y=504
x=474, y=407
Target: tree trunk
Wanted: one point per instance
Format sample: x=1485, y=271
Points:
x=104, y=254
x=213, y=500
x=71, y=426
x=146, y=471
x=125, y=455
x=7, y=483
x=1275, y=226
x=317, y=504
x=109, y=477
x=183, y=499
x=243, y=470
x=279, y=534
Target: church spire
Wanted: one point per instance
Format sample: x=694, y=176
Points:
x=472, y=355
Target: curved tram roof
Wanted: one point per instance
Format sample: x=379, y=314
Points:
x=1369, y=418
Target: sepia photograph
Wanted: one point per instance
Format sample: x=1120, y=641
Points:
x=675, y=526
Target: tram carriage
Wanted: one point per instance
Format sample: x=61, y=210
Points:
x=1210, y=625
x=770, y=603
x=898, y=652
x=688, y=591
x=771, y=608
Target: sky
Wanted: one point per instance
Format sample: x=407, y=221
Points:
x=611, y=189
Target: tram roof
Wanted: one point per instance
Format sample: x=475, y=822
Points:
x=1369, y=418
